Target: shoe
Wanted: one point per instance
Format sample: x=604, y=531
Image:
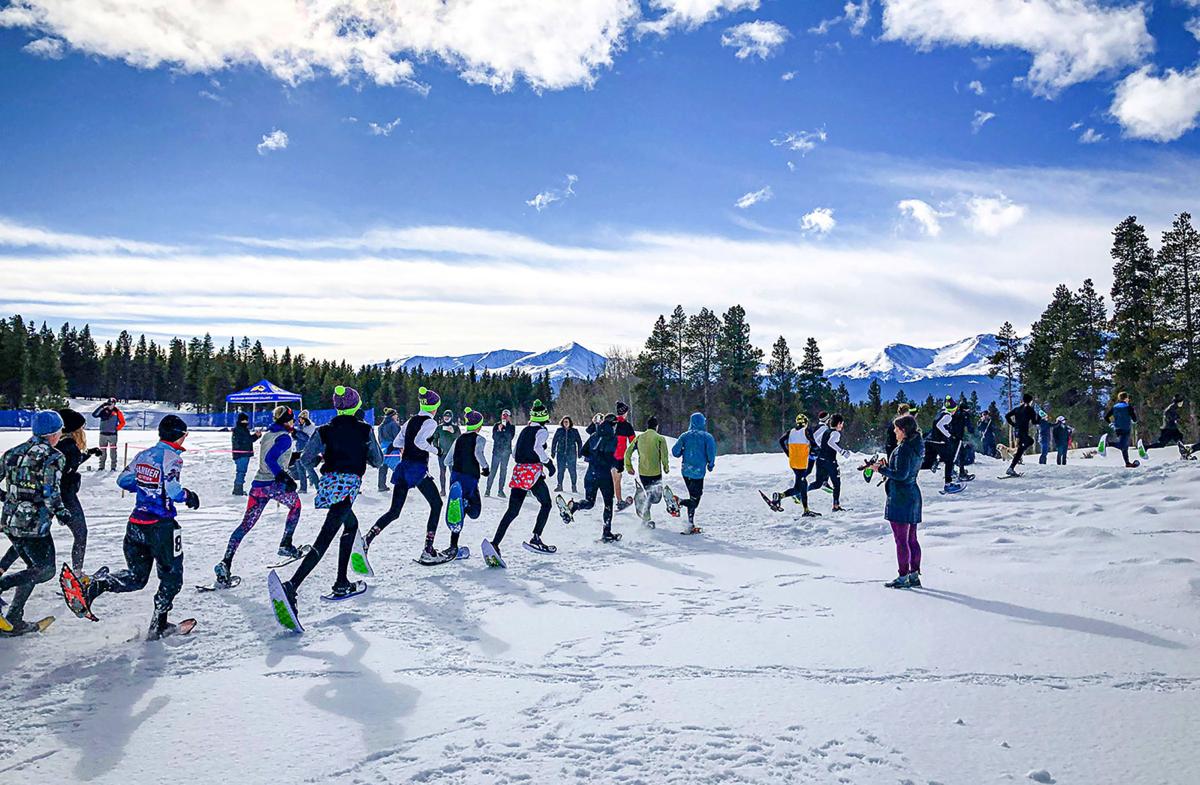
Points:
x=94, y=585
x=776, y=498
x=535, y=544
x=899, y=583
x=609, y=536
x=449, y=553
x=1011, y=472
x=341, y=591
x=289, y=551
x=158, y=625
x=222, y=571
x=18, y=627
x=914, y=580
x=501, y=495
x=810, y=514
x=965, y=477
x=838, y=508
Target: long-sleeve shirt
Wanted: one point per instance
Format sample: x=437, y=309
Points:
x=154, y=474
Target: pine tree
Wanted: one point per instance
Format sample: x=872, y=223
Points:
x=676, y=416
x=1006, y=363
x=1135, y=345
x=653, y=369
x=1091, y=343
x=781, y=384
x=1179, y=269
x=815, y=392
x=703, y=334
x=738, y=361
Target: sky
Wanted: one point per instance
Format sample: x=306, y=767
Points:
x=365, y=180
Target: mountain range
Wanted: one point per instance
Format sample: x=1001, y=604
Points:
x=959, y=367
x=571, y=361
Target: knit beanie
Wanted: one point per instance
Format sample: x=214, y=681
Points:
x=72, y=420
x=46, y=422
x=243, y=417
x=283, y=414
x=430, y=400
x=346, y=400
x=472, y=420
x=622, y=408
x=538, y=412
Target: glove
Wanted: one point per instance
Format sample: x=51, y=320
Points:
x=95, y=452
x=485, y=471
x=191, y=500
x=65, y=517
x=286, y=481
x=550, y=468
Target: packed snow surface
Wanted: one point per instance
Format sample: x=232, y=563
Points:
x=1056, y=641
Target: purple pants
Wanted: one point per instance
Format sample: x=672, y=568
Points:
x=908, y=550
x=259, y=497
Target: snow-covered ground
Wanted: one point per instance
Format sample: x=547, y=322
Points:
x=1057, y=640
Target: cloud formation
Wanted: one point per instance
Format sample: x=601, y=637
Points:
x=1071, y=41
x=759, y=39
x=376, y=129
x=276, y=140
x=820, y=221
x=802, y=142
x=1158, y=108
x=14, y=234
x=981, y=119
x=754, y=197
x=991, y=215
x=928, y=220
x=546, y=198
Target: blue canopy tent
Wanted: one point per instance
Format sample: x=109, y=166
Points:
x=263, y=392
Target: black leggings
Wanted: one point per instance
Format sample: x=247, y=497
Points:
x=38, y=555
x=340, y=516
x=828, y=470
x=695, y=489
x=799, y=486
x=606, y=490
x=428, y=489
x=516, y=497
x=1024, y=442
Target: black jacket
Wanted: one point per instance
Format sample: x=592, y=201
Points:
x=243, y=441
x=346, y=445
x=1022, y=418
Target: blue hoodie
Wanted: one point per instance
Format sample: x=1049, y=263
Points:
x=697, y=448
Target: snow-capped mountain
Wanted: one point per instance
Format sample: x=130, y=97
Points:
x=571, y=361
x=960, y=367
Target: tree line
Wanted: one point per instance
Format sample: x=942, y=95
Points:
x=1078, y=354
x=40, y=368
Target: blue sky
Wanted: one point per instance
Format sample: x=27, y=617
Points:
x=978, y=153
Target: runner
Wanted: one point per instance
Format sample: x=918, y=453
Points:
x=531, y=463
x=653, y=463
x=467, y=464
x=600, y=454
x=698, y=449
x=794, y=443
x=1021, y=418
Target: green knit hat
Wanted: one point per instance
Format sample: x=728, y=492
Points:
x=538, y=412
x=472, y=420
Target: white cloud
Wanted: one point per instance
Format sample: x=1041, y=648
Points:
x=759, y=39
x=819, y=221
x=855, y=15
x=990, y=215
x=789, y=76
x=981, y=119
x=754, y=197
x=549, y=45
x=375, y=129
x=1075, y=126
x=276, y=140
x=546, y=198
x=1193, y=26
x=1071, y=41
x=1091, y=136
x=1160, y=109
x=690, y=14
x=49, y=48
x=802, y=141
x=18, y=235
x=926, y=217
x=976, y=87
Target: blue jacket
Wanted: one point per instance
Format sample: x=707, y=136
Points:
x=903, y=493
x=1122, y=416
x=697, y=448
x=154, y=475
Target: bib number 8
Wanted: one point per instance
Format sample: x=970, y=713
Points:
x=178, y=542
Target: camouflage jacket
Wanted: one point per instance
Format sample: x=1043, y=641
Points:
x=32, y=478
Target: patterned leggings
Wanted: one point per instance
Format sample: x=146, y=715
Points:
x=254, y=509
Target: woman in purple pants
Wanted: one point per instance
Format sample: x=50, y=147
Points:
x=903, y=509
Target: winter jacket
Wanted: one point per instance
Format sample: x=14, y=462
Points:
x=1122, y=416
x=73, y=458
x=387, y=431
x=274, y=455
x=1171, y=416
x=243, y=441
x=698, y=449
x=1022, y=417
x=1046, y=432
x=653, y=458
x=154, y=473
x=111, y=419
x=903, y=493
x=344, y=445
x=1062, y=435
x=301, y=434
x=502, y=438
x=446, y=434
x=797, y=447
x=33, y=493
x=566, y=446
x=600, y=453
x=625, y=437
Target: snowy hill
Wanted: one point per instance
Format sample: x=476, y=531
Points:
x=571, y=361
x=765, y=650
x=960, y=367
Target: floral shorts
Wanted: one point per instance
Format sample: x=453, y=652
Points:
x=525, y=475
x=337, y=487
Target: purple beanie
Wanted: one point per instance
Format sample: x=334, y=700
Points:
x=346, y=400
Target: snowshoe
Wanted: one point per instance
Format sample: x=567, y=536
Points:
x=837, y=508
x=624, y=504
x=951, y=488
x=8, y=630
x=164, y=629
x=564, y=509
x=283, y=603
x=651, y=525
x=76, y=593
x=1103, y=445
x=224, y=579
x=810, y=514
x=1185, y=454
x=692, y=530
x=1141, y=450
x=901, y=582
x=429, y=557
x=671, y=500
x=772, y=501
x=1011, y=472
x=827, y=488
x=610, y=536
x=359, y=563
x=345, y=592
x=290, y=553
x=640, y=500
x=536, y=545
x=454, y=508
x=1133, y=464
x=966, y=477
x=491, y=555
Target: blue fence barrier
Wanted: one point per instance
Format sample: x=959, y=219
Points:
x=140, y=419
